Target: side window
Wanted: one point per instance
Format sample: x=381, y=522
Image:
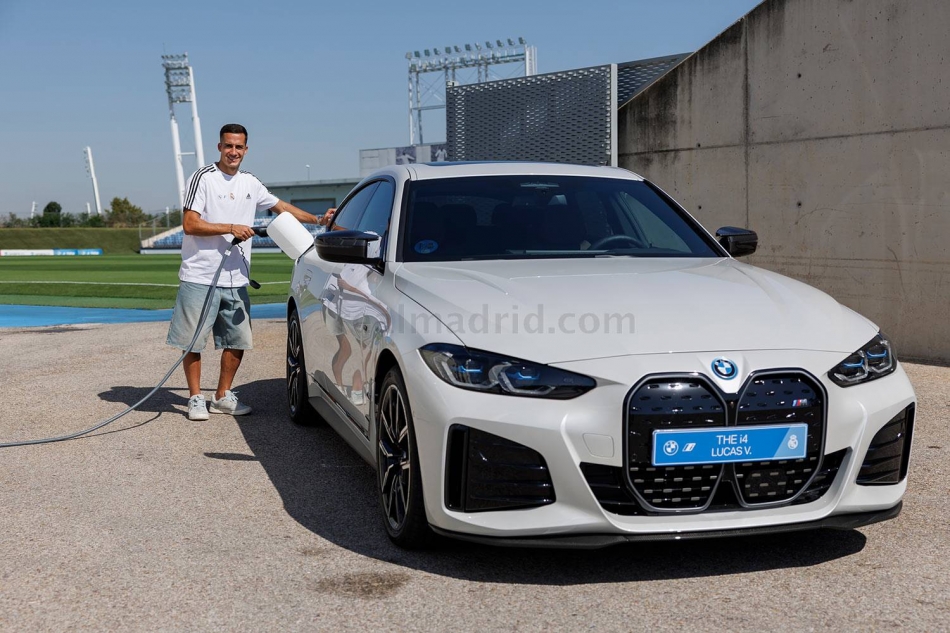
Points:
x=379, y=209
x=348, y=217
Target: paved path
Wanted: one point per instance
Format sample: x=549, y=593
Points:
x=158, y=523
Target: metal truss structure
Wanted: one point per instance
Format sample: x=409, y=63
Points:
x=460, y=65
x=180, y=86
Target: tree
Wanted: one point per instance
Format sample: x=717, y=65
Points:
x=52, y=214
x=125, y=214
x=94, y=220
x=14, y=222
x=174, y=217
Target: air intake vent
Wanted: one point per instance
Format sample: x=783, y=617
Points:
x=825, y=477
x=487, y=472
x=607, y=484
x=889, y=453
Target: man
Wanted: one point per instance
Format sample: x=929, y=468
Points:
x=220, y=204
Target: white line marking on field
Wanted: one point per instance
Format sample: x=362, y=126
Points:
x=91, y=283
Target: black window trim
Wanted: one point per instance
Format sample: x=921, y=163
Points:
x=356, y=190
x=403, y=212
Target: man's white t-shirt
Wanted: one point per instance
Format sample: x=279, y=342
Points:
x=220, y=198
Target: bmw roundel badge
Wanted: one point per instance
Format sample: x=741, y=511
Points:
x=725, y=368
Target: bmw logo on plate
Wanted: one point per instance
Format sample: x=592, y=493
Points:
x=725, y=368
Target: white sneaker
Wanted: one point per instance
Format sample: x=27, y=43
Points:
x=228, y=404
x=197, y=409
x=356, y=397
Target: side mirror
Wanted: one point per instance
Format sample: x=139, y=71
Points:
x=348, y=247
x=736, y=241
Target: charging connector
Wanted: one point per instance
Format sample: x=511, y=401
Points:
x=260, y=231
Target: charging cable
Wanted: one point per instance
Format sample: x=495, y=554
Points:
x=261, y=231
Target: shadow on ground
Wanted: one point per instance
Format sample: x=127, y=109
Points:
x=330, y=491
x=165, y=399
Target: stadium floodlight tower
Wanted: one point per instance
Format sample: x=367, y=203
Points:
x=180, y=85
x=470, y=63
x=91, y=169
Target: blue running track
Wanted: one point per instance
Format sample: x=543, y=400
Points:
x=35, y=316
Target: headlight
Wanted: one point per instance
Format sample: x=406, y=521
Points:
x=491, y=373
x=872, y=361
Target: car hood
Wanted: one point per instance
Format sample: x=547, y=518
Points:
x=573, y=309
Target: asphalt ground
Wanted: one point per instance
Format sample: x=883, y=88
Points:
x=159, y=523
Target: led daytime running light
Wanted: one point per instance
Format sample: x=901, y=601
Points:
x=492, y=373
x=874, y=360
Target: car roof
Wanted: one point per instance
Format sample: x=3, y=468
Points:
x=428, y=171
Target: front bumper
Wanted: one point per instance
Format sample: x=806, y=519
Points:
x=589, y=430
x=599, y=541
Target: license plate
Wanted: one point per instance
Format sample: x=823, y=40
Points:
x=688, y=447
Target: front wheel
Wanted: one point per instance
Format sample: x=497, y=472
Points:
x=298, y=403
x=397, y=466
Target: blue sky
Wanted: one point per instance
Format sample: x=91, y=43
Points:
x=314, y=82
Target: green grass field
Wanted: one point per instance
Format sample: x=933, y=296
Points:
x=111, y=241
x=120, y=281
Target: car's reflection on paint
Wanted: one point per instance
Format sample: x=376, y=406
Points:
x=358, y=321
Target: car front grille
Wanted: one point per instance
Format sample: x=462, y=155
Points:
x=783, y=398
x=692, y=402
x=606, y=482
x=888, y=455
x=671, y=403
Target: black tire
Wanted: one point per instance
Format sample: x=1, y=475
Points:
x=397, y=467
x=298, y=404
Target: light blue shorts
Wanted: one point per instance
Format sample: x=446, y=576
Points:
x=229, y=317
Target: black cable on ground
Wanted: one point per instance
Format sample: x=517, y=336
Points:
x=194, y=339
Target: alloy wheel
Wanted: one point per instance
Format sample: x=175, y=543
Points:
x=394, y=456
x=294, y=365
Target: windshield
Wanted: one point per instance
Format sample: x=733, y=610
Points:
x=525, y=217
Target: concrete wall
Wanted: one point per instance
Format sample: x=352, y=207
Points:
x=825, y=126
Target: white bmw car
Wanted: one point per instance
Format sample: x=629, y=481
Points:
x=556, y=355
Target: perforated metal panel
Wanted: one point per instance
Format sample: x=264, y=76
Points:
x=634, y=77
x=565, y=117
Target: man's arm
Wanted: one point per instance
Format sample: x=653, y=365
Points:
x=303, y=216
x=194, y=224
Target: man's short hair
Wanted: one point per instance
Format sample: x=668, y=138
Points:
x=233, y=128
